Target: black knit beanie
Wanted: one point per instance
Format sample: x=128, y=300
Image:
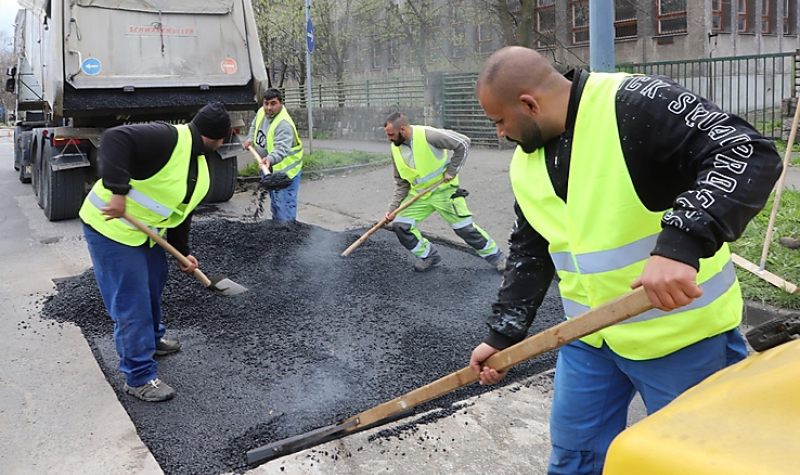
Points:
x=213, y=121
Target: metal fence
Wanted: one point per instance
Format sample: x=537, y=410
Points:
x=750, y=86
x=400, y=92
x=461, y=110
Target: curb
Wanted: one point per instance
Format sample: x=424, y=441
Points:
x=323, y=172
x=335, y=171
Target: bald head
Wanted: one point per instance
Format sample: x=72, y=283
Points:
x=524, y=95
x=514, y=70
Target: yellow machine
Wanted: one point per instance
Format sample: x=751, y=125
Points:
x=743, y=420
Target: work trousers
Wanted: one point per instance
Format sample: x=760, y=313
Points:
x=454, y=211
x=594, y=387
x=283, y=203
x=131, y=280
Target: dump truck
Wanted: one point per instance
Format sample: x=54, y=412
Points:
x=83, y=66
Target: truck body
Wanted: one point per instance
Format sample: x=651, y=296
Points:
x=86, y=65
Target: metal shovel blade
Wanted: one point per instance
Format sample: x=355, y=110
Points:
x=275, y=181
x=226, y=286
x=296, y=443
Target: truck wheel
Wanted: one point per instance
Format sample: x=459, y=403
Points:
x=223, y=178
x=62, y=190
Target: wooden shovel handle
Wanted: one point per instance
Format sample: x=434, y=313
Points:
x=627, y=306
x=198, y=274
x=260, y=160
x=383, y=221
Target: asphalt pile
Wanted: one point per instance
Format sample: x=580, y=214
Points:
x=317, y=337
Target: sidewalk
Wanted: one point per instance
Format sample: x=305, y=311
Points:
x=792, y=180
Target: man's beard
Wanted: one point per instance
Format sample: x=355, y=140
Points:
x=532, y=138
x=400, y=140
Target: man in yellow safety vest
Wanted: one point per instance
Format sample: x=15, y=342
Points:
x=621, y=181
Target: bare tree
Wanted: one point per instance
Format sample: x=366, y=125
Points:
x=281, y=30
x=334, y=34
x=516, y=21
x=533, y=23
x=404, y=27
x=6, y=61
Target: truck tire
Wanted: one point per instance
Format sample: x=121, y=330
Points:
x=62, y=190
x=223, y=178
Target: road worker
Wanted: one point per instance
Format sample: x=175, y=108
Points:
x=621, y=181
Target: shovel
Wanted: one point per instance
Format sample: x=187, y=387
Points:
x=627, y=306
x=383, y=221
x=270, y=181
x=219, y=284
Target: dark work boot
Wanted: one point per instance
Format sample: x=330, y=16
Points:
x=426, y=264
x=790, y=242
x=498, y=261
x=167, y=346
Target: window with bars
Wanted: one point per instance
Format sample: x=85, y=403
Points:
x=625, y=25
x=392, y=53
x=545, y=14
x=789, y=17
x=768, y=17
x=458, y=40
x=579, y=13
x=376, y=48
x=671, y=16
x=484, y=41
x=458, y=34
x=720, y=16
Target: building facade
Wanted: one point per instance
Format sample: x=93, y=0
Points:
x=464, y=32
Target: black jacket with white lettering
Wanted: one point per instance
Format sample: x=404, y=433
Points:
x=713, y=169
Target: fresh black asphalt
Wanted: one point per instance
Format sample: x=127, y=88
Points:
x=316, y=339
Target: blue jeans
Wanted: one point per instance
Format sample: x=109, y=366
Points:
x=283, y=203
x=594, y=386
x=131, y=280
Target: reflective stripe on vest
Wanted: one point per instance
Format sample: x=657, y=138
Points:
x=601, y=238
x=428, y=168
x=292, y=163
x=99, y=203
x=156, y=201
x=713, y=288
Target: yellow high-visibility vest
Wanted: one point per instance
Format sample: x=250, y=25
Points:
x=156, y=201
x=601, y=238
x=292, y=163
x=428, y=168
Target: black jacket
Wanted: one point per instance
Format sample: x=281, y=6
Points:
x=682, y=152
x=138, y=152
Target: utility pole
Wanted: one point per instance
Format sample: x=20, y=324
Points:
x=601, y=36
x=309, y=50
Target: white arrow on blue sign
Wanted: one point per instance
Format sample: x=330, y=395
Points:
x=310, y=36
